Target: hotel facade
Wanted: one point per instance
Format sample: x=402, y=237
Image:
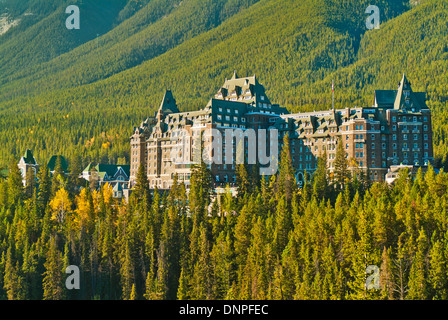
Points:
x=395, y=130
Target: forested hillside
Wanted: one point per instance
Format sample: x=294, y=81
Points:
x=273, y=241
x=84, y=99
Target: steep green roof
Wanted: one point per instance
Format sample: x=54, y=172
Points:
x=168, y=103
x=29, y=158
x=109, y=169
x=385, y=97
x=52, y=163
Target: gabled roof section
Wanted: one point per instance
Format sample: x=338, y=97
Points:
x=385, y=98
x=168, y=104
x=52, y=163
x=110, y=170
x=88, y=168
x=117, y=187
x=407, y=99
x=246, y=89
x=28, y=158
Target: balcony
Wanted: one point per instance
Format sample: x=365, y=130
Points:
x=415, y=131
x=416, y=149
x=405, y=149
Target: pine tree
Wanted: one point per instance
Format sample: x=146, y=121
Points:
x=44, y=185
x=73, y=181
x=283, y=225
x=53, y=281
x=30, y=184
x=182, y=291
x=58, y=179
x=386, y=276
x=418, y=287
x=15, y=185
x=12, y=281
x=141, y=191
x=133, y=293
x=341, y=172
x=242, y=180
x=287, y=183
x=320, y=183
x=437, y=272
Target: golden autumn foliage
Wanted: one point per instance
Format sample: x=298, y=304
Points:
x=60, y=205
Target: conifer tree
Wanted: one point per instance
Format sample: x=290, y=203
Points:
x=282, y=226
x=52, y=281
x=44, y=185
x=437, y=272
x=386, y=276
x=341, y=172
x=141, y=192
x=58, y=179
x=287, y=183
x=182, y=291
x=320, y=183
x=418, y=287
x=12, y=281
x=15, y=185
x=30, y=184
x=242, y=180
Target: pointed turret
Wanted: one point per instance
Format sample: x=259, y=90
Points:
x=403, y=92
x=168, y=104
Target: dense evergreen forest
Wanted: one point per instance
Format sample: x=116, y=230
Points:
x=79, y=93
x=272, y=241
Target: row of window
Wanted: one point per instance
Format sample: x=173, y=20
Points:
x=227, y=118
x=413, y=119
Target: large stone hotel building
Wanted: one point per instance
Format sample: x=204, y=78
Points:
x=395, y=130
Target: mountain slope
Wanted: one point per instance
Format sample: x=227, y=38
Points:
x=80, y=100
x=156, y=28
